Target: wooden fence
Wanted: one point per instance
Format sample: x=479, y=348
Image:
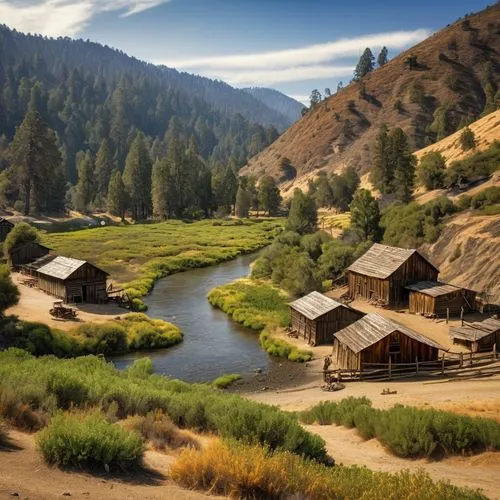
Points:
x=448, y=363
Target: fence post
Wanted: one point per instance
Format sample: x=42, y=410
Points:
x=416, y=365
x=390, y=367
x=447, y=315
x=461, y=360
x=471, y=358
x=495, y=351
x=442, y=365
x=462, y=315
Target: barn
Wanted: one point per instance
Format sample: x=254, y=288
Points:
x=73, y=280
x=478, y=336
x=432, y=298
x=5, y=227
x=383, y=272
x=26, y=252
x=317, y=317
x=375, y=339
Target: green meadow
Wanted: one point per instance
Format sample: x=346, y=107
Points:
x=139, y=254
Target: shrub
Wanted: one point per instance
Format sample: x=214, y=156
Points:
x=431, y=170
x=159, y=429
x=146, y=333
x=282, y=349
x=225, y=381
x=486, y=197
x=88, y=440
x=20, y=234
x=105, y=338
x=456, y=253
x=3, y=434
x=241, y=471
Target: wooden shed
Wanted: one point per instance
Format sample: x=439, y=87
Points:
x=5, y=228
x=432, y=298
x=478, y=336
x=383, y=272
x=317, y=317
x=73, y=280
x=375, y=339
x=26, y=252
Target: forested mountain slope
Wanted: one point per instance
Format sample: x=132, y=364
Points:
x=276, y=100
x=455, y=79
x=88, y=92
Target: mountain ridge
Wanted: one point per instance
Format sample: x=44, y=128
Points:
x=274, y=99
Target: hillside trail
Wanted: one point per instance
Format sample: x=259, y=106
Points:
x=24, y=475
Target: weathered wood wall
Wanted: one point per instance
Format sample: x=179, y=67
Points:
x=392, y=290
x=454, y=301
x=27, y=253
x=5, y=228
x=321, y=330
x=380, y=352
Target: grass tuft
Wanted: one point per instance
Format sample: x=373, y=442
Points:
x=224, y=381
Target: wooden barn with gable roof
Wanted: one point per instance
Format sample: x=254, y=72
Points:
x=5, y=228
x=376, y=339
x=317, y=317
x=72, y=280
x=383, y=272
x=478, y=336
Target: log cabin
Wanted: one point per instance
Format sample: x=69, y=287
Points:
x=432, y=298
x=73, y=280
x=383, y=272
x=26, y=252
x=479, y=336
x=5, y=228
x=317, y=317
x=375, y=339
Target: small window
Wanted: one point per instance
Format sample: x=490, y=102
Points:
x=394, y=346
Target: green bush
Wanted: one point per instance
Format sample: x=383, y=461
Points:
x=282, y=349
x=225, y=381
x=91, y=381
x=407, y=431
x=88, y=440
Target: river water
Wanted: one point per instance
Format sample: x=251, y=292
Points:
x=213, y=343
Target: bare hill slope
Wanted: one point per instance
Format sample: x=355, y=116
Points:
x=457, y=67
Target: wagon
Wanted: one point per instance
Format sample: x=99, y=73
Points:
x=59, y=310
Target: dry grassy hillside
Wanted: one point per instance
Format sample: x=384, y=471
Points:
x=486, y=131
x=468, y=253
x=340, y=131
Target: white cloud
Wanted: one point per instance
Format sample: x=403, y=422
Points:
x=311, y=62
x=64, y=17
x=311, y=54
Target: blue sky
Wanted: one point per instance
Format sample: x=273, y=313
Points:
x=290, y=45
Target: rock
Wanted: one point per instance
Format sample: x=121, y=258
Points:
x=258, y=370
x=66, y=494
x=14, y=494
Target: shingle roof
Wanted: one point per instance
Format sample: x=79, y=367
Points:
x=314, y=305
x=433, y=288
x=61, y=267
x=372, y=328
x=40, y=262
x=476, y=331
x=380, y=261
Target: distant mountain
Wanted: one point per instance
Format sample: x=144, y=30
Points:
x=278, y=101
x=87, y=92
x=456, y=79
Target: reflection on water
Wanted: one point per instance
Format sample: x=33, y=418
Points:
x=213, y=343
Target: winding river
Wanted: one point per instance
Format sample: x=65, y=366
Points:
x=213, y=343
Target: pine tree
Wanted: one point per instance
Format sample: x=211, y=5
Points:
x=324, y=195
x=160, y=179
x=382, y=57
x=9, y=294
x=303, y=216
x=382, y=175
x=431, y=170
x=85, y=188
x=269, y=195
x=315, y=98
x=242, y=205
x=117, y=196
x=467, y=139
x=402, y=163
x=365, y=64
x=365, y=214
x=137, y=178
x=104, y=165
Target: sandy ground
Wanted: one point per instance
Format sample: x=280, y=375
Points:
x=24, y=475
x=34, y=305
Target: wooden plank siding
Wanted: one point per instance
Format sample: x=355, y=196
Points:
x=322, y=329
x=397, y=346
x=5, y=228
x=391, y=290
x=421, y=303
x=28, y=252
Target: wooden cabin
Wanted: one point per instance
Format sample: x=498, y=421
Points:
x=26, y=253
x=383, y=272
x=317, y=317
x=375, y=339
x=5, y=228
x=432, y=298
x=479, y=336
x=73, y=280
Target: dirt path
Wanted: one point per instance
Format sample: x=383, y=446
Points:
x=22, y=472
x=34, y=305
x=481, y=471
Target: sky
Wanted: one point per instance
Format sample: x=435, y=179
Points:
x=289, y=45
